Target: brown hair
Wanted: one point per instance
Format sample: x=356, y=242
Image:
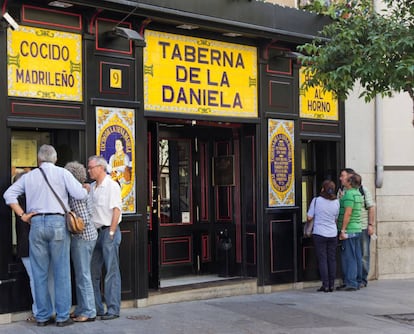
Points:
x=355, y=180
x=328, y=190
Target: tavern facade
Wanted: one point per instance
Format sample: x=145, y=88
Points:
x=224, y=150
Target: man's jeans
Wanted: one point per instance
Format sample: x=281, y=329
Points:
x=106, y=253
x=28, y=266
x=49, y=246
x=365, y=248
x=81, y=251
x=351, y=260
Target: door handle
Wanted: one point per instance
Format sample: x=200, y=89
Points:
x=159, y=206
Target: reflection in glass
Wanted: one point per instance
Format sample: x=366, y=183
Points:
x=175, y=180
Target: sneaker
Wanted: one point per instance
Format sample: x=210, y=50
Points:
x=108, y=316
x=346, y=288
x=65, y=323
x=45, y=323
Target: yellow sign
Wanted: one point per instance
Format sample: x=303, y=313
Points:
x=198, y=76
x=24, y=152
x=115, y=80
x=44, y=64
x=317, y=103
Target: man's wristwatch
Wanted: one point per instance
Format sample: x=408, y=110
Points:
x=111, y=233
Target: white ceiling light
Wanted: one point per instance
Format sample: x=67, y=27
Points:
x=232, y=34
x=187, y=26
x=60, y=4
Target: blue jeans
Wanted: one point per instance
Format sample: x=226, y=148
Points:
x=325, y=249
x=365, y=249
x=106, y=253
x=49, y=244
x=51, y=287
x=351, y=260
x=81, y=251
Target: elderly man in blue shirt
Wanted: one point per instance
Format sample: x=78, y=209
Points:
x=49, y=238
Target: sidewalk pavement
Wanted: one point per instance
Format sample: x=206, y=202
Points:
x=385, y=306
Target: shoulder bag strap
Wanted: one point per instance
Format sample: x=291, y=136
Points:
x=54, y=192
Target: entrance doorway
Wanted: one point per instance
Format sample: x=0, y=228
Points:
x=319, y=161
x=24, y=145
x=195, y=223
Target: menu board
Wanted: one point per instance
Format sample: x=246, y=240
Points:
x=24, y=152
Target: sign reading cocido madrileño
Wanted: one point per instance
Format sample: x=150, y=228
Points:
x=45, y=64
x=191, y=75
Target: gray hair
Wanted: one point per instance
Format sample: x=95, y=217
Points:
x=77, y=169
x=99, y=160
x=47, y=153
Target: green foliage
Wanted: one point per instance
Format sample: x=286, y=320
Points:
x=375, y=48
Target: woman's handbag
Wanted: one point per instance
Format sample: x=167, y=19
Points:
x=308, y=227
x=74, y=223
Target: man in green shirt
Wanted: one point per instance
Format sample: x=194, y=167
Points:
x=349, y=227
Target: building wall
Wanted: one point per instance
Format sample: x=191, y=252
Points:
x=392, y=252
x=395, y=198
x=288, y=3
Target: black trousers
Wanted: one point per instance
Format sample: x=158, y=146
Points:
x=325, y=249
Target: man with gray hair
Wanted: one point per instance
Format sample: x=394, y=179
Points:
x=106, y=215
x=49, y=237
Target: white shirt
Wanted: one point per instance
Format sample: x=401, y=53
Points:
x=325, y=213
x=105, y=198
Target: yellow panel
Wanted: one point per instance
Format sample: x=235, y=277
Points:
x=44, y=64
x=316, y=102
x=115, y=80
x=198, y=76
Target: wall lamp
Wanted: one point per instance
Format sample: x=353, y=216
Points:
x=128, y=34
x=10, y=20
x=292, y=54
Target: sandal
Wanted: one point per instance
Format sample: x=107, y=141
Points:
x=31, y=318
x=82, y=318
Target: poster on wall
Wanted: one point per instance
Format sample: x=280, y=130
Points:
x=115, y=138
x=281, y=163
x=198, y=76
x=44, y=64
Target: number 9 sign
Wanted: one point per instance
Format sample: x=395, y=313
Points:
x=115, y=80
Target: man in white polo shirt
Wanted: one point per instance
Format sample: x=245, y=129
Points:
x=106, y=215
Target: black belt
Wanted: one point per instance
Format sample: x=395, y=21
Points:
x=102, y=228
x=48, y=214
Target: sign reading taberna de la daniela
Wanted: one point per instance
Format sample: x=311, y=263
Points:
x=199, y=76
x=44, y=64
